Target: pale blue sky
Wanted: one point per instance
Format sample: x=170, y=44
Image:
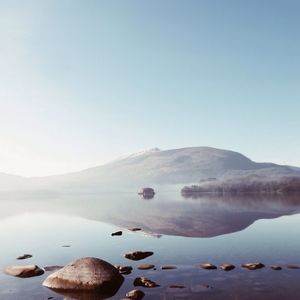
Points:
x=83, y=82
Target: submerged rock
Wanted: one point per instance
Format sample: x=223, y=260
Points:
x=276, y=268
x=168, y=267
x=24, y=256
x=138, y=255
x=208, y=266
x=87, y=273
x=24, y=271
x=145, y=267
x=145, y=282
x=135, y=229
x=227, y=267
x=52, y=268
x=117, y=233
x=135, y=295
x=124, y=270
x=253, y=266
x=292, y=266
x=177, y=286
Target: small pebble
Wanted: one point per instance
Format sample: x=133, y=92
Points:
x=24, y=256
x=145, y=267
x=135, y=295
x=227, y=267
x=208, y=266
x=276, y=268
x=117, y=233
x=168, y=267
x=292, y=266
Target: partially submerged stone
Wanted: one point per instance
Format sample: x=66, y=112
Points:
x=52, y=268
x=177, y=286
x=85, y=274
x=292, y=266
x=227, y=267
x=135, y=229
x=253, y=266
x=135, y=295
x=276, y=268
x=24, y=271
x=168, y=267
x=146, y=267
x=24, y=256
x=208, y=266
x=117, y=233
x=145, y=282
x=124, y=270
x=138, y=255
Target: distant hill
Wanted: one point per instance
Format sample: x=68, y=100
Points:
x=154, y=167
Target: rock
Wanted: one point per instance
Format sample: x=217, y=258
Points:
x=145, y=282
x=135, y=229
x=52, y=268
x=86, y=273
x=66, y=246
x=253, y=266
x=117, y=233
x=124, y=270
x=208, y=266
x=276, y=268
x=24, y=256
x=168, y=267
x=145, y=267
x=138, y=255
x=135, y=295
x=227, y=267
x=292, y=266
x=176, y=286
x=24, y=271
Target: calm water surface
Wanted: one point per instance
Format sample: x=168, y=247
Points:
x=181, y=232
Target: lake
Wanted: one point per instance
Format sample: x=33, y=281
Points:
x=183, y=232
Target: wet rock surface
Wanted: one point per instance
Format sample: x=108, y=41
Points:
x=208, y=266
x=145, y=282
x=253, y=266
x=276, y=268
x=168, y=267
x=24, y=271
x=117, y=233
x=135, y=295
x=52, y=268
x=227, y=267
x=24, y=256
x=138, y=255
x=86, y=273
x=292, y=266
x=135, y=229
x=124, y=270
x=146, y=267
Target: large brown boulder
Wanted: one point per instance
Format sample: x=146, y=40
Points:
x=85, y=274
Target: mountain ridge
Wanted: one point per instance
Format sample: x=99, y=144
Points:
x=154, y=167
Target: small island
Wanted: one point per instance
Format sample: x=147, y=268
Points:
x=147, y=193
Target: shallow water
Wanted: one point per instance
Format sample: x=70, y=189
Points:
x=181, y=232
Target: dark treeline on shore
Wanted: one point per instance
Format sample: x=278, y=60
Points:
x=246, y=185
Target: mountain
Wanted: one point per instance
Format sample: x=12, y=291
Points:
x=156, y=167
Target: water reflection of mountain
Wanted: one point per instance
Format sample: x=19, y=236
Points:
x=167, y=214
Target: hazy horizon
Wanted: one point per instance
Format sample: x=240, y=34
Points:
x=83, y=83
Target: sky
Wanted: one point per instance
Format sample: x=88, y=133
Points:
x=85, y=82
